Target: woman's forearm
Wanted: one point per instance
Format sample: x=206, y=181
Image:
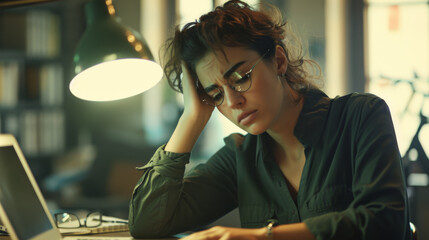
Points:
x=292, y=231
x=295, y=231
x=193, y=120
x=185, y=135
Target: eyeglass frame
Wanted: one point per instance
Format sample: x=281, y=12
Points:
x=101, y=220
x=248, y=73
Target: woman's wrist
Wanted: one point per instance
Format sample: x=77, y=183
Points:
x=261, y=233
x=198, y=116
x=269, y=229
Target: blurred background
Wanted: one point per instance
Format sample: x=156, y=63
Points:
x=84, y=154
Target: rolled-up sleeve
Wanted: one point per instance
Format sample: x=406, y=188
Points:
x=162, y=177
x=165, y=202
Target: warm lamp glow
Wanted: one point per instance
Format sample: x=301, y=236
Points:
x=111, y=61
x=100, y=82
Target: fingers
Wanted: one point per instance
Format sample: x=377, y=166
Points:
x=226, y=233
x=213, y=233
x=187, y=81
x=194, y=107
x=216, y=233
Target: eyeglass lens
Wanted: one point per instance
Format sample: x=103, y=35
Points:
x=239, y=82
x=93, y=219
x=70, y=220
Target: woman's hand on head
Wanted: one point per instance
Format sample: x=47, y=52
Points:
x=227, y=233
x=193, y=120
x=195, y=109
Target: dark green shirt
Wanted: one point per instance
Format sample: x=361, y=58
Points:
x=352, y=185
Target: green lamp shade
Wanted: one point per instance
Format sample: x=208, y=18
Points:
x=111, y=61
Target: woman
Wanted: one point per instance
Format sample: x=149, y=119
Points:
x=311, y=167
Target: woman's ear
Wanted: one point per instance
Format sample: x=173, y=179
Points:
x=281, y=60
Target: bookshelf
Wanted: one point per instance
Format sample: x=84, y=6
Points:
x=32, y=81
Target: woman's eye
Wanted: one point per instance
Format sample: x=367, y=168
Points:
x=243, y=79
x=217, y=97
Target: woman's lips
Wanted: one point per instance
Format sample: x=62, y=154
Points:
x=246, y=117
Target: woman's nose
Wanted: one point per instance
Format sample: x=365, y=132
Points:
x=233, y=99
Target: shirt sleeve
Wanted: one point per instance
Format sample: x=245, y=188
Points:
x=379, y=208
x=164, y=202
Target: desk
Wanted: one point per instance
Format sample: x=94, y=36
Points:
x=117, y=234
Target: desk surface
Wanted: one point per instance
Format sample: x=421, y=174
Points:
x=116, y=234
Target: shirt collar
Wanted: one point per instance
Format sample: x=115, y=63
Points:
x=310, y=124
x=311, y=121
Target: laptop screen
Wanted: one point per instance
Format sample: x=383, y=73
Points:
x=19, y=200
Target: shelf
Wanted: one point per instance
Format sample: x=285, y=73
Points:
x=32, y=77
x=28, y=106
x=7, y=54
x=7, y=4
x=20, y=55
x=36, y=34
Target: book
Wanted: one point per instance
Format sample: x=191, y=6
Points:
x=3, y=230
x=110, y=224
x=9, y=78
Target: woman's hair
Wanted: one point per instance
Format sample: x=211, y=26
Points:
x=236, y=24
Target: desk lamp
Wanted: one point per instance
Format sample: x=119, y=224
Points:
x=111, y=61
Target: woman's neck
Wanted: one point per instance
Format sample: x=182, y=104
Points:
x=282, y=131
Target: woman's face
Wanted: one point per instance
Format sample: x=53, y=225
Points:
x=259, y=108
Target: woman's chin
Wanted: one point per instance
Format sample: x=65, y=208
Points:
x=254, y=130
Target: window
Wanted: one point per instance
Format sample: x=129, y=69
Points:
x=398, y=60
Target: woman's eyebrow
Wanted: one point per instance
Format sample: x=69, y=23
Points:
x=210, y=88
x=232, y=69
x=225, y=75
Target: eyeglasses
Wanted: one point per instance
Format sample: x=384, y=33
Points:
x=236, y=81
x=70, y=220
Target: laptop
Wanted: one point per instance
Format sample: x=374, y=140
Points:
x=23, y=210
